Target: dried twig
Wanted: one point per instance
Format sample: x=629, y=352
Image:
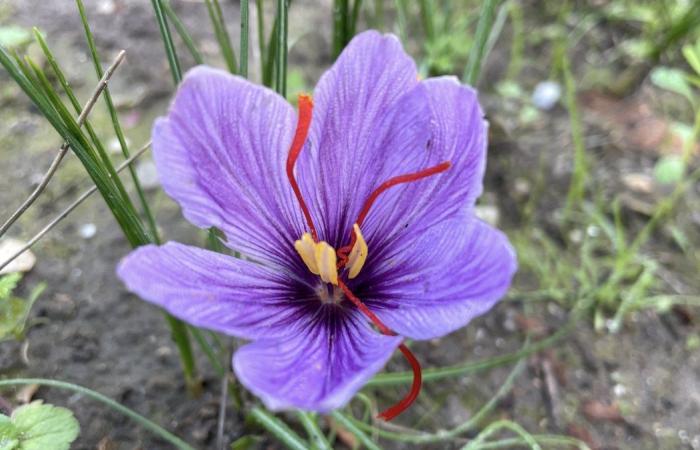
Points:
x=551, y=392
x=64, y=148
x=220, y=426
x=68, y=210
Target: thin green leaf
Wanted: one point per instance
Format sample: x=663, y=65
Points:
x=245, y=33
x=141, y=420
x=182, y=32
x=278, y=429
x=260, y=13
x=318, y=439
x=115, y=123
x=477, y=53
x=351, y=426
x=221, y=33
x=283, y=22
x=170, y=51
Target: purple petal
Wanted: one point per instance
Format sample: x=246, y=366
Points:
x=319, y=369
x=213, y=291
x=369, y=123
x=220, y=154
x=458, y=135
x=453, y=273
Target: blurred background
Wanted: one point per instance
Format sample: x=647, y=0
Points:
x=594, y=109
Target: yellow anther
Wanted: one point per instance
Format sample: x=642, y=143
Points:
x=358, y=254
x=325, y=261
x=319, y=257
x=306, y=249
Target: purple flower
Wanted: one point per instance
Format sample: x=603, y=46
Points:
x=380, y=224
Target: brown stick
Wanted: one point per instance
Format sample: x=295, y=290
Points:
x=64, y=148
x=68, y=210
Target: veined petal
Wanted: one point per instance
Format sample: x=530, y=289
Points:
x=318, y=369
x=215, y=291
x=459, y=135
x=220, y=154
x=371, y=121
x=456, y=271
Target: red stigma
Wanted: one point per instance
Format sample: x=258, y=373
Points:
x=343, y=253
x=300, y=135
x=306, y=106
x=405, y=402
x=415, y=387
x=391, y=182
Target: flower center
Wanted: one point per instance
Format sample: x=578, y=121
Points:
x=320, y=257
x=325, y=261
x=329, y=294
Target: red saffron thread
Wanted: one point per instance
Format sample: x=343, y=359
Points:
x=302, y=131
x=306, y=106
x=408, y=400
x=344, y=251
x=343, y=255
x=391, y=182
x=402, y=405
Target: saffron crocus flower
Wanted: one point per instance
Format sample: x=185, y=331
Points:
x=356, y=211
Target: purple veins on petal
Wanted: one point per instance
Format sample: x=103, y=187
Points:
x=430, y=267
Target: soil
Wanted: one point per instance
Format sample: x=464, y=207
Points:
x=637, y=389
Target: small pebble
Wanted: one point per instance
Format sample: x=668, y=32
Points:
x=148, y=175
x=488, y=213
x=114, y=147
x=106, y=7
x=23, y=263
x=546, y=95
x=87, y=231
x=619, y=390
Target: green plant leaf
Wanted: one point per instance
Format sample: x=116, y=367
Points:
x=669, y=169
x=8, y=434
x=14, y=312
x=41, y=427
x=14, y=36
x=8, y=283
x=692, y=55
x=673, y=80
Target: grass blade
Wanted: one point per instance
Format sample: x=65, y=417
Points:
x=478, y=50
x=318, y=439
x=245, y=32
x=170, y=51
x=352, y=427
x=141, y=420
x=182, y=32
x=116, y=124
x=278, y=429
x=281, y=38
x=260, y=14
x=221, y=34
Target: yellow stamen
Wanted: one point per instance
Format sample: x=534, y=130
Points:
x=325, y=260
x=358, y=254
x=305, y=247
x=319, y=257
